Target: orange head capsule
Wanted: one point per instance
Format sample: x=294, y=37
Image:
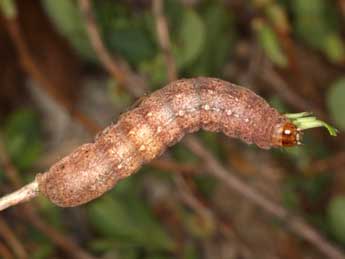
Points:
x=286, y=135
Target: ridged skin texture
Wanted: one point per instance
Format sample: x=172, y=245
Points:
x=159, y=121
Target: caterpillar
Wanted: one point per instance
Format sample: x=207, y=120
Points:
x=159, y=121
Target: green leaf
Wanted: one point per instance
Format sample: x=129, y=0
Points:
x=218, y=25
x=131, y=43
x=317, y=24
x=310, y=25
x=335, y=102
x=22, y=138
x=128, y=220
x=278, y=16
x=43, y=246
x=117, y=95
x=181, y=153
x=270, y=43
x=289, y=195
x=125, y=32
x=2, y=175
x=206, y=184
x=114, y=249
x=312, y=188
x=199, y=227
x=190, y=252
x=43, y=251
x=156, y=70
x=336, y=217
x=67, y=18
x=191, y=38
x=51, y=213
x=8, y=7
x=334, y=48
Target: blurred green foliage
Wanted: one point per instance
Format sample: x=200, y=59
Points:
x=124, y=218
x=22, y=138
x=66, y=16
x=336, y=102
x=270, y=43
x=336, y=217
x=8, y=8
x=317, y=24
x=132, y=35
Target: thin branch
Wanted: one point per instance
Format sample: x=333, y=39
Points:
x=62, y=240
x=11, y=239
x=34, y=71
x=24, y=194
x=163, y=36
x=341, y=4
x=171, y=165
x=5, y=252
x=284, y=91
x=115, y=67
x=189, y=198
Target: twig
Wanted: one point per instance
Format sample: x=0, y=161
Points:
x=189, y=198
x=5, y=253
x=11, y=239
x=341, y=4
x=32, y=68
x=255, y=61
x=61, y=240
x=115, y=67
x=163, y=36
x=25, y=193
x=284, y=91
x=171, y=165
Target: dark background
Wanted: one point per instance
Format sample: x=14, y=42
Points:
x=68, y=69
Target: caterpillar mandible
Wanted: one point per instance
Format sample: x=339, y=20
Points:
x=158, y=122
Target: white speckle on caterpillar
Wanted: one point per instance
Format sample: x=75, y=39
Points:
x=287, y=131
x=206, y=107
x=149, y=114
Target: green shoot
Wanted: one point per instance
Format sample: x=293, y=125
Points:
x=305, y=120
x=293, y=116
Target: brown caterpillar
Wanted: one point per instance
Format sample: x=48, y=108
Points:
x=159, y=121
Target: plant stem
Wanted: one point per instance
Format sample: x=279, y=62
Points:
x=27, y=192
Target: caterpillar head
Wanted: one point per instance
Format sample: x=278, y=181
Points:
x=289, y=133
x=286, y=135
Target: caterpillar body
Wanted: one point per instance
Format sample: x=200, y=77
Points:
x=160, y=121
